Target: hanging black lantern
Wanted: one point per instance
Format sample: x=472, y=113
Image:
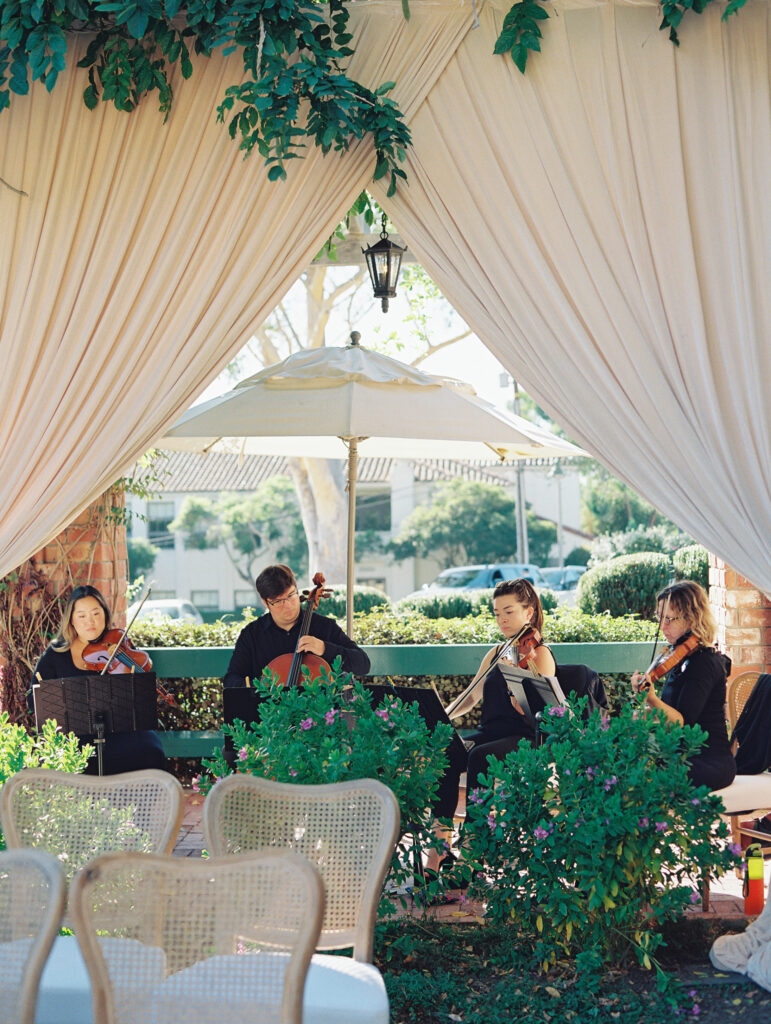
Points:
x=384, y=261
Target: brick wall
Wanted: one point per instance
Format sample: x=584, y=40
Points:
x=743, y=616
x=92, y=549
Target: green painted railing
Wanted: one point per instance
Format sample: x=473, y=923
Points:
x=387, y=660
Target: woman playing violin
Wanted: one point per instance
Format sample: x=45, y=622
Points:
x=694, y=687
x=518, y=612
x=85, y=621
x=278, y=632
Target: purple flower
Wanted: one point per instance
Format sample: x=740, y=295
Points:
x=643, y=823
x=695, y=1010
x=243, y=753
x=695, y=897
x=307, y=723
x=540, y=833
x=604, y=722
x=609, y=783
x=292, y=772
x=590, y=773
x=556, y=711
x=383, y=713
x=695, y=801
x=491, y=820
x=194, y=783
x=474, y=796
x=735, y=849
x=661, y=826
x=567, y=771
x=330, y=716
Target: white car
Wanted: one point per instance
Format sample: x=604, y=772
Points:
x=166, y=608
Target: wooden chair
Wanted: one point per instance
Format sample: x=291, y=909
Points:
x=32, y=900
x=348, y=830
x=76, y=817
x=747, y=794
x=168, y=940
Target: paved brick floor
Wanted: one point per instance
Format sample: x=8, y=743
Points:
x=725, y=893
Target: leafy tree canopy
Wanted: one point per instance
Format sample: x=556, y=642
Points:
x=247, y=526
x=294, y=85
x=470, y=522
x=609, y=506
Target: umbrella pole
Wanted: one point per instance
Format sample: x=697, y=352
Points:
x=353, y=459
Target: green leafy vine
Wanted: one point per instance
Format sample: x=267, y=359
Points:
x=294, y=53
x=521, y=34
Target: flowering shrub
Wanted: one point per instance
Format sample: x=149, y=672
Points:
x=596, y=837
x=51, y=749
x=328, y=731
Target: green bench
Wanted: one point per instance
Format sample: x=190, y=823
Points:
x=397, y=660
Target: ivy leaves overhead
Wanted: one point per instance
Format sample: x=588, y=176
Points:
x=521, y=34
x=295, y=88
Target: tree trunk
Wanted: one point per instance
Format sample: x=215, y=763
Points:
x=324, y=512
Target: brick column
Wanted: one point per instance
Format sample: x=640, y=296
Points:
x=92, y=549
x=743, y=616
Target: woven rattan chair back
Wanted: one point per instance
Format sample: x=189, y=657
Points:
x=76, y=817
x=32, y=899
x=347, y=829
x=739, y=691
x=171, y=939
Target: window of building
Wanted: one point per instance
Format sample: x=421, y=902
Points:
x=373, y=510
x=206, y=600
x=159, y=515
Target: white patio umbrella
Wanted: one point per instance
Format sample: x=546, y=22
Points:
x=321, y=402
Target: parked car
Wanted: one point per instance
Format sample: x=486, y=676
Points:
x=480, y=577
x=563, y=577
x=166, y=608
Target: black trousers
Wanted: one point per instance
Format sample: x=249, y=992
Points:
x=484, y=747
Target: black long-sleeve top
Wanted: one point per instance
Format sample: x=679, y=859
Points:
x=262, y=640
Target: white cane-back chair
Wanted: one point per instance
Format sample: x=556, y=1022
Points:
x=348, y=830
x=170, y=940
x=77, y=817
x=32, y=899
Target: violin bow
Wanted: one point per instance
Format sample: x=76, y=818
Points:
x=125, y=631
x=477, y=678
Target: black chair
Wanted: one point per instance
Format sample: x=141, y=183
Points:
x=582, y=681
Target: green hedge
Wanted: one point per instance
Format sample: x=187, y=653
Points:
x=692, y=563
x=461, y=604
x=625, y=585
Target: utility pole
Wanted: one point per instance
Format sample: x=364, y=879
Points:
x=523, y=547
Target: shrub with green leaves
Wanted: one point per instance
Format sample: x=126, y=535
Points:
x=328, y=731
x=443, y=605
x=597, y=836
x=663, y=538
x=692, y=563
x=364, y=600
x=624, y=585
x=50, y=749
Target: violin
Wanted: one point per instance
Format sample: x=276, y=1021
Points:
x=669, y=658
x=114, y=653
x=288, y=667
x=524, y=642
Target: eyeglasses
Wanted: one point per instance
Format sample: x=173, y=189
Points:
x=667, y=619
x=281, y=600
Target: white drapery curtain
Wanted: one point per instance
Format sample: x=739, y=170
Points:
x=603, y=223
x=144, y=255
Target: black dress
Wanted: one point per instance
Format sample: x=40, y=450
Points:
x=696, y=688
x=122, y=751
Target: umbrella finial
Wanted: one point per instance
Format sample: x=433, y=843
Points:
x=355, y=339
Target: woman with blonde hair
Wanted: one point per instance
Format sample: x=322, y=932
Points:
x=694, y=691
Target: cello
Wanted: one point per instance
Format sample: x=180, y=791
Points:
x=288, y=667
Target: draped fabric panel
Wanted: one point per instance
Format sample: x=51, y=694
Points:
x=143, y=256
x=603, y=223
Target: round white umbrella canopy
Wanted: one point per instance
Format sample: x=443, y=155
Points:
x=323, y=402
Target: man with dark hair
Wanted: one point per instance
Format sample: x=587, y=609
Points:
x=278, y=632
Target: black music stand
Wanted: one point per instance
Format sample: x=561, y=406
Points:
x=98, y=705
x=533, y=693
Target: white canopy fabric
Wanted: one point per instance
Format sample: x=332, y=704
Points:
x=602, y=222
x=143, y=255
x=607, y=231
